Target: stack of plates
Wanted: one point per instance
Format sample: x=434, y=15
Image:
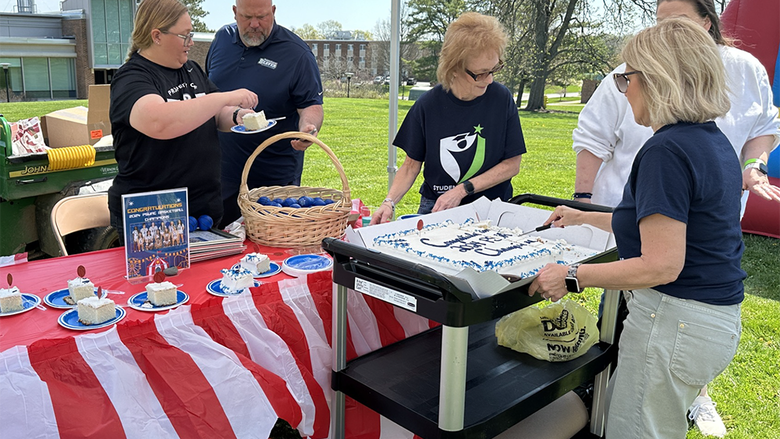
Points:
x=301, y=265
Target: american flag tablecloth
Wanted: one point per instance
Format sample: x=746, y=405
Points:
x=222, y=368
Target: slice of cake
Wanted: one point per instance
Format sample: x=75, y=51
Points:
x=255, y=121
x=80, y=288
x=256, y=263
x=93, y=311
x=161, y=293
x=236, y=279
x=10, y=300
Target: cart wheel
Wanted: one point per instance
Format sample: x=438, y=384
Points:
x=99, y=238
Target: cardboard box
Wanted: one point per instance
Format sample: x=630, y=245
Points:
x=79, y=125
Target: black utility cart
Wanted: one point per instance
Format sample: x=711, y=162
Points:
x=454, y=381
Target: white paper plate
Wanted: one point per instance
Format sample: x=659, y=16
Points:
x=56, y=299
x=215, y=287
x=141, y=302
x=70, y=320
x=240, y=129
x=300, y=265
x=29, y=301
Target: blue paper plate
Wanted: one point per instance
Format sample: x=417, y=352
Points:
x=70, y=320
x=272, y=270
x=56, y=299
x=240, y=129
x=29, y=301
x=141, y=302
x=300, y=265
x=215, y=287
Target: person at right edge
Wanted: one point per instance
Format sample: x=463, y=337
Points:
x=607, y=139
x=677, y=231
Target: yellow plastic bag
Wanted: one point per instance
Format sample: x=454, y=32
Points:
x=560, y=331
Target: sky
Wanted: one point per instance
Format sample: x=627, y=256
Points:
x=352, y=14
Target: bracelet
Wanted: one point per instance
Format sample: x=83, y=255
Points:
x=750, y=161
x=389, y=200
x=578, y=195
x=235, y=116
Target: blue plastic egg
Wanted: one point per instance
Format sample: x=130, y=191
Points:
x=329, y=201
x=317, y=201
x=289, y=201
x=275, y=204
x=265, y=201
x=295, y=206
x=205, y=222
x=278, y=201
x=306, y=201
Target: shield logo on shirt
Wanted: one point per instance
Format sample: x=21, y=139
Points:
x=454, y=151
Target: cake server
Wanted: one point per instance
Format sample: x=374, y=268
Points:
x=538, y=229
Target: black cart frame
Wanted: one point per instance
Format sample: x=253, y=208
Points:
x=482, y=389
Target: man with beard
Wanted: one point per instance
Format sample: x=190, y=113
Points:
x=258, y=54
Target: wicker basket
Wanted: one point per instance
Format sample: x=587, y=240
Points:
x=287, y=226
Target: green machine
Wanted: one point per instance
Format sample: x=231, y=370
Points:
x=30, y=186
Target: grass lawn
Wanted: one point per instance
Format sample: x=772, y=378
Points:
x=747, y=393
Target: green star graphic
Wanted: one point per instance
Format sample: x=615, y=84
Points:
x=478, y=129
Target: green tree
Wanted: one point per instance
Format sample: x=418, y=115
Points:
x=427, y=23
x=308, y=32
x=329, y=29
x=362, y=35
x=197, y=14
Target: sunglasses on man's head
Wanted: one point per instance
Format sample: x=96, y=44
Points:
x=481, y=76
x=621, y=80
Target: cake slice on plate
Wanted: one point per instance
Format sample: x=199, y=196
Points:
x=10, y=300
x=94, y=311
x=161, y=292
x=235, y=280
x=256, y=263
x=255, y=121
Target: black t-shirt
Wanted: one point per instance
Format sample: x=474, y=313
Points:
x=147, y=164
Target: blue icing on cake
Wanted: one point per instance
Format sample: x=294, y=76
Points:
x=479, y=246
x=236, y=279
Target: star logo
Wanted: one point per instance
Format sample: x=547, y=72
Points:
x=478, y=129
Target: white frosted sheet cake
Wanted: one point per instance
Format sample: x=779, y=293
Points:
x=93, y=311
x=161, y=293
x=81, y=288
x=476, y=245
x=10, y=299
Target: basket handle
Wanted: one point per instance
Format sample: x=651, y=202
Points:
x=243, y=189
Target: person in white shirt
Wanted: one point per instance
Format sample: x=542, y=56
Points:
x=607, y=139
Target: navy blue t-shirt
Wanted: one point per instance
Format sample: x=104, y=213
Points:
x=284, y=74
x=458, y=140
x=689, y=173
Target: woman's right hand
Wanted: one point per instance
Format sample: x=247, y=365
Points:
x=242, y=98
x=565, y=216
x=382, y=214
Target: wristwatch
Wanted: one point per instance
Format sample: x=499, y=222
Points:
x=572, y=284
x=756, y=164
x=469, y=186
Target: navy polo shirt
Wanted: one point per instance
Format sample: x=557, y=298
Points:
x=689, y=173
x=283, y=72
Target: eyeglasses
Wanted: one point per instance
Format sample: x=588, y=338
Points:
x=187, y=38
x=622, y=81
x=481, y=76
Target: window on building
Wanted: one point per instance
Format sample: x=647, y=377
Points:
x=338, y=47
x=39, y=78
x=112, y=25
x=63, y=78
x=314, y=49
x=36, y=78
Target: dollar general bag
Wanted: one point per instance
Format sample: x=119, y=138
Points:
x=560, y=331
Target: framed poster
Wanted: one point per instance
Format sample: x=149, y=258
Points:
x=156, y=232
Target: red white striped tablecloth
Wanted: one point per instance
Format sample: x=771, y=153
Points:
x=219, y=368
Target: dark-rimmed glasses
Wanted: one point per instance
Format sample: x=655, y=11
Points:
x=481, y=76
x=187, y=38
x=621, y=80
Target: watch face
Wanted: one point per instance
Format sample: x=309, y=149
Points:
x=572, y=285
